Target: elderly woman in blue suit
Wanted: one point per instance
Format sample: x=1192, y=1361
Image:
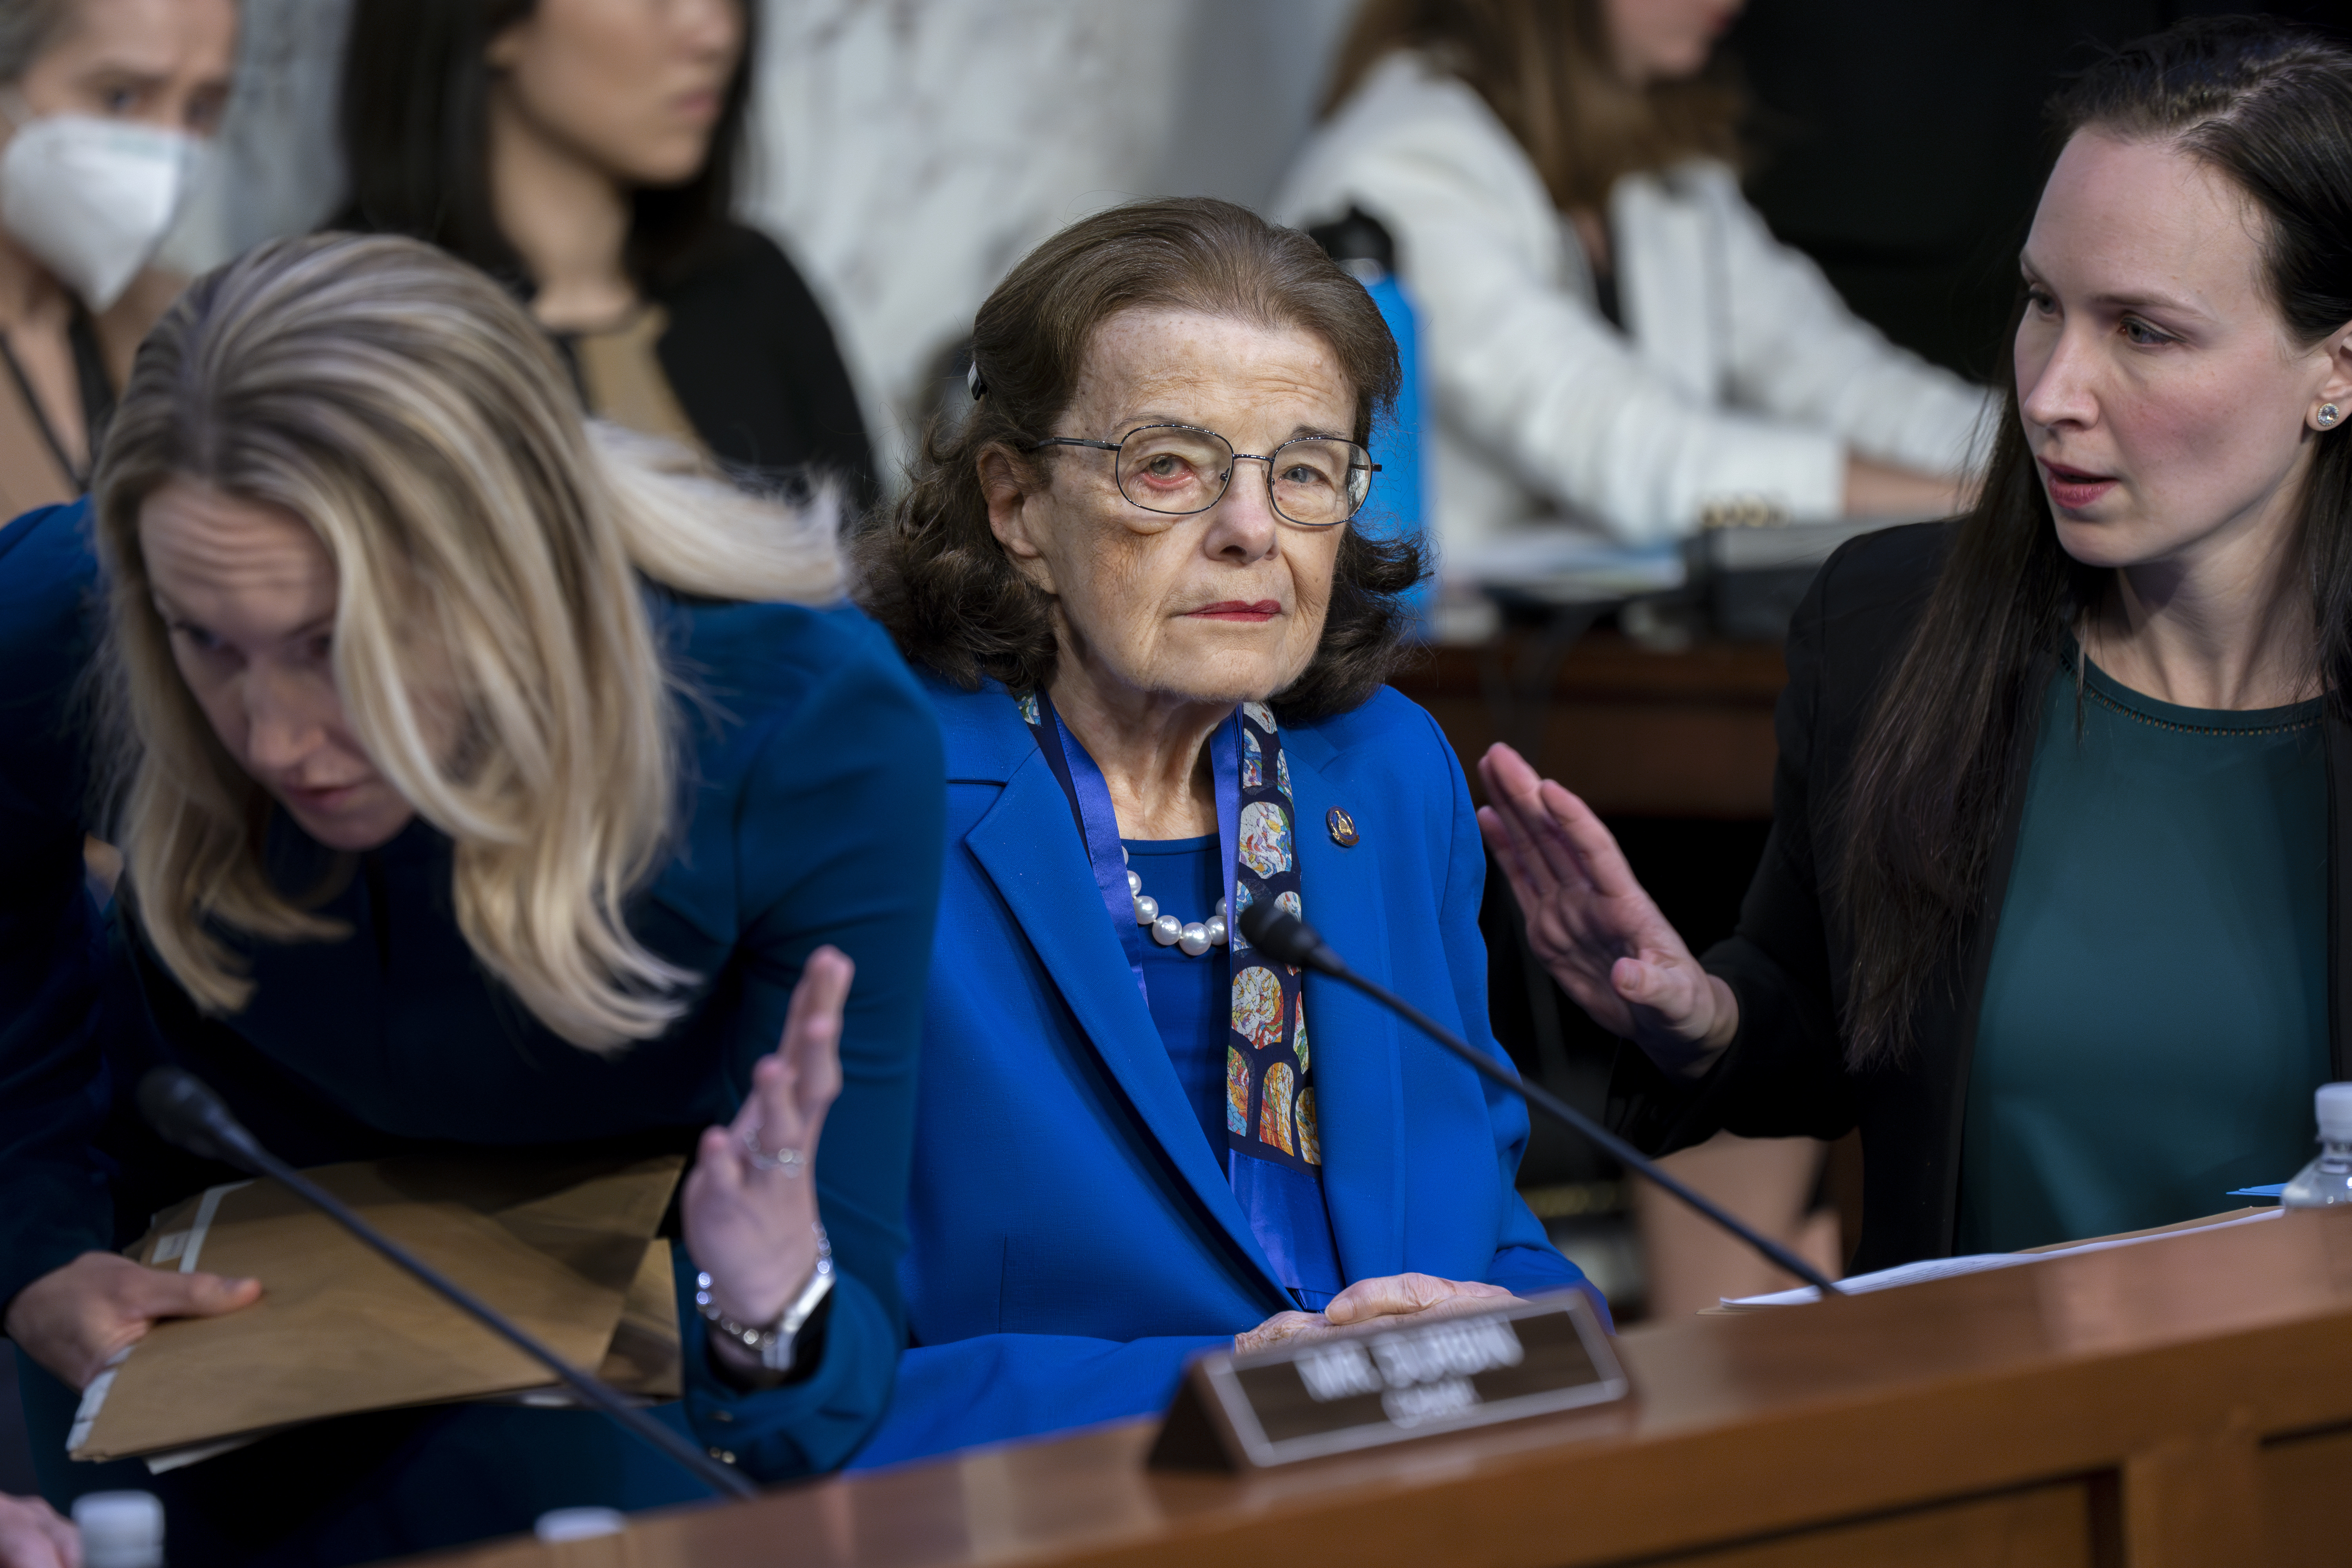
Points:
x=1158, y=650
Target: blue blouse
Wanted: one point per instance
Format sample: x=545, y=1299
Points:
x=1189, y=996
x=1191, y=1001
x=814, y=814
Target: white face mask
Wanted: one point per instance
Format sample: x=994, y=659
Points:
x=93, y=198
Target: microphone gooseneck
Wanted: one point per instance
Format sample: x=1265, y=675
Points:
x=185, y=1111
x=1283, y=936
x=1280, y=934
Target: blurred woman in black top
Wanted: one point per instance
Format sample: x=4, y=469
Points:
x=585, y=152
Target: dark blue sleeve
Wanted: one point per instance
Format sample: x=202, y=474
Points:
x=841, y=833
x=1525, y=1262
x=993, y=1387
x=52, y=1089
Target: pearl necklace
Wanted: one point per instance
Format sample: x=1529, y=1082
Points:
x=1192, y=937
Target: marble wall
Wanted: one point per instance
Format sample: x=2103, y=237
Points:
x=907, y=152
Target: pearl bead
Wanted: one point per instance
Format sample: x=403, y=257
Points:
x=1192, y=938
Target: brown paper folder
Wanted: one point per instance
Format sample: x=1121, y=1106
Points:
x=642, y=1358
x=560, y=1248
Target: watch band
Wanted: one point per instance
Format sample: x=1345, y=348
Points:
x=773, y=1344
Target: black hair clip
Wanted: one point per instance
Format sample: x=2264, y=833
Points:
x=972, y=383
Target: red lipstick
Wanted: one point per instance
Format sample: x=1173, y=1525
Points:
x=2073, y=489
x=1236, y=610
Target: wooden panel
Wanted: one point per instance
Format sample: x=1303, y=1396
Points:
x=1635, y=733
x=1943, y=1418
x=2306, y=1482
x=2044, y=1527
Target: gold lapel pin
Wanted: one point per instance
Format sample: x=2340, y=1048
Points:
x=1342, y=827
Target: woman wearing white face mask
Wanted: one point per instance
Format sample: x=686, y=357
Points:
x=105, y=105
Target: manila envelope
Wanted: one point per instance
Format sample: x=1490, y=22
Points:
x=557, y=1246
x=644, y=1358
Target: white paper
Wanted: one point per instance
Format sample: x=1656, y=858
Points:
x=1975, y=1263
x=1559, y=553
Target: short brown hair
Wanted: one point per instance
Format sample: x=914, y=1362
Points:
x=1544, y=67
x=932, y=572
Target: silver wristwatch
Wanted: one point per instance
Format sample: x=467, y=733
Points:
x=773, y=1344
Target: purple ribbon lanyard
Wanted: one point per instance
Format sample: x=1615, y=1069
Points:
x=1225, y=767
x=1098, y=822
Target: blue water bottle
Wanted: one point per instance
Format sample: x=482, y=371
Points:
x=1398, y=504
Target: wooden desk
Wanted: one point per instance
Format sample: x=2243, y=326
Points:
x=2186, y=1401
x=1635, y=733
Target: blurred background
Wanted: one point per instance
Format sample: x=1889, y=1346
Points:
x=905, y=152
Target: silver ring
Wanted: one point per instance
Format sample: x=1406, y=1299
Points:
x=788, y=1161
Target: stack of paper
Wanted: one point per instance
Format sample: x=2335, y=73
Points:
x=566, y=1249
x=1928, y=1269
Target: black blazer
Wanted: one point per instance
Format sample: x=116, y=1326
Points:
x=752, y=358
x=1785, y=1074
x=754, y=364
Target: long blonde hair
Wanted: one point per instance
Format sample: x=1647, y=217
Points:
x=407, y=409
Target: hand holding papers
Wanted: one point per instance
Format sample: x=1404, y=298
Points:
x=338, y=1329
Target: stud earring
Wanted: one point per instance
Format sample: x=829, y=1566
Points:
x=2328, y=415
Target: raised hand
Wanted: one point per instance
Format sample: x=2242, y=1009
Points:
x=1593, y=927
x=73, y=1319
x=750, y=1206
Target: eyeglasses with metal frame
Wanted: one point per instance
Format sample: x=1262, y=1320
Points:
x=1181, y=470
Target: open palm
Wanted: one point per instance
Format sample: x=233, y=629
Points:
x=749, y=1205
x=1591, y=924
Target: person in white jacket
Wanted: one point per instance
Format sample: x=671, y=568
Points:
x=1612, y=336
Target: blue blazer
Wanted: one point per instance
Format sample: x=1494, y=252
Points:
x=812, y=815
x=1073, y=1236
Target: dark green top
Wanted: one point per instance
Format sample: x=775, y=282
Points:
x=2156, y=1016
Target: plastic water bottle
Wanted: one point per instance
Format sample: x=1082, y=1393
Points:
x=119, y=1530
x=2329, y=1179
x=559, y=1525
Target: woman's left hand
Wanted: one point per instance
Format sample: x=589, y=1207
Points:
x=1414, y=1296
x=750, y=1200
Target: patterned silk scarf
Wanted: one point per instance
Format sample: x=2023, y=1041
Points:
x=1274, y=1146
x=1269, y=1075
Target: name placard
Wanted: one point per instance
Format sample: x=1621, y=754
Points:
x=1373, y=1385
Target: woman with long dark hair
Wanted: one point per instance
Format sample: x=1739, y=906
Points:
x=2050, y=905
x=586, y=155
